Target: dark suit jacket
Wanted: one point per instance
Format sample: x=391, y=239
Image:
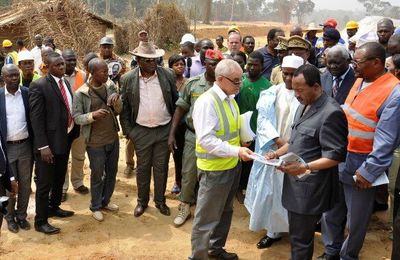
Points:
x=345, y=86
x=320, y=133
x=49, y=116
x=3, y=113
x=131, y=96
x=6, y=172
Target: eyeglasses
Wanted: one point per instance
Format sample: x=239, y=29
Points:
x=357, y=63
x=236, y=82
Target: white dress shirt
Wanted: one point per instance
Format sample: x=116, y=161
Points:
x=17, y=127
x=69, y=97
x=206, y=124
x=153, y=111
x=37, y=57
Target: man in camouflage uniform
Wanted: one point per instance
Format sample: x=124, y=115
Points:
x=184, y=106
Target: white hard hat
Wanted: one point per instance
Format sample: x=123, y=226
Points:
x=188, y=37
x=25, y=55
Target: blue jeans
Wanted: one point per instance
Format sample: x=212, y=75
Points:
x=103, y=166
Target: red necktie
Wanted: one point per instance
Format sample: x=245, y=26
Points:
x=64, y=94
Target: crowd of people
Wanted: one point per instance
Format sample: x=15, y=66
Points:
x=302, y=132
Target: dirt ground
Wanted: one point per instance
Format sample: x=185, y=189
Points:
x=151, y=236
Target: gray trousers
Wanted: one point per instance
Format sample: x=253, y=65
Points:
x=20, y=159
x=151, y=146
x=301, y=235
x=359, y=205
x=189, y=169
x=78, y=149
x=214, y=210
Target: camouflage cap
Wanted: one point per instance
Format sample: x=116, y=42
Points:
x=298, y=42
x=283, y=44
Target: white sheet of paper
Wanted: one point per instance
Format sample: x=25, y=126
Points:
x=382, y=179
x=259, y=158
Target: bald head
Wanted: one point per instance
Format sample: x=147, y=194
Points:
x=394, y=44
x=99, y=70
x=296, y=30
x=7, y=68
x=95, y=64
x=45, y=53
x=10, y=74
x=374, y=50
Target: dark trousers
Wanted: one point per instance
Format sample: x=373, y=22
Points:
x=103, y=167
x=396, y=226
x=246, y=168
x=301, y=235
x=178, y=153
x=50, y=177
x=20, y=159
x=151, y=146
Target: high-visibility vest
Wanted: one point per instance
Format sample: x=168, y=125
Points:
x=229, y=131
x=14, y=57
x=79, y=80
x=361, y=111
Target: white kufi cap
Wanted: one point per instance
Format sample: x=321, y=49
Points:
x=292, y=61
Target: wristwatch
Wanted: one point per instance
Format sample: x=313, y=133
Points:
x=308, y=170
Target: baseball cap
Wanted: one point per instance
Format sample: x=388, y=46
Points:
x=330, y=22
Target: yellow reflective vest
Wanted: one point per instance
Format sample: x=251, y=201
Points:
x=229, y=132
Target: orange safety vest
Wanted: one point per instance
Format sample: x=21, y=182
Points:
x=361, y=111
x=79, y=80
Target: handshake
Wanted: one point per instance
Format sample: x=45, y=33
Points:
x=3, y=205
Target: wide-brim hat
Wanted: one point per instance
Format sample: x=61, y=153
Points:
x=147, y=50
x=312, y=27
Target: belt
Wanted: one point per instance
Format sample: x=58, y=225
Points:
x=18, y=141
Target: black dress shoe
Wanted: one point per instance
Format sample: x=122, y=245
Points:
x=139, y=210
x=23, y=224
x=47, y=229
x=60, y=213
x=222, y=255
x=324, y=256
x=12, y=225
x=82, y=189
x=163, y=208
x=267, y=242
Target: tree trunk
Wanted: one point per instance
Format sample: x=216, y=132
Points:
x=107, y=8
x=233, y=7
x=207, y=11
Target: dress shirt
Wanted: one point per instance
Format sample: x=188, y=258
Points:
x=206, y=124
x=153, y=111
x=197, y=68
x=69, y=97
x=386, y=139
x=17, y=127
x=341, y=77
x=37, y=57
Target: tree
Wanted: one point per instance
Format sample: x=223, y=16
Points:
x=381, y=8
x=287, y=8
x=207, y=11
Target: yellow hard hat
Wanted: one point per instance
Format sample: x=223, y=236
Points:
x=233, y=28
x=7, y=43
x=351, y=25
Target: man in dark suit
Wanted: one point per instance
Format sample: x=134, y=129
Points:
x=339, y=77
x=50, y=100
x=319, y=137
x=7, y=180
x=16, y=129
x=149, y=95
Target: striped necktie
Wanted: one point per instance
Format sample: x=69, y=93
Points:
x=64, y=94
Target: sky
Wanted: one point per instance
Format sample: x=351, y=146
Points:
x=344, y=4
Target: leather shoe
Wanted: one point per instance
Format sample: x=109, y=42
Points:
x=82, y=189
x=139, y=210
x=324, y=256
x=23, y=224
x=222, y=255
x=163, y=208
x=267, y=242
x=60, y=213
x=12, y=225
x=47, y=229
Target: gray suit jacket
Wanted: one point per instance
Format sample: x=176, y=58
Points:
x=345, y=86
x=320, y=133
x=131, y=96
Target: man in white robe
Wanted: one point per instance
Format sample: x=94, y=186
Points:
x=276, y=109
